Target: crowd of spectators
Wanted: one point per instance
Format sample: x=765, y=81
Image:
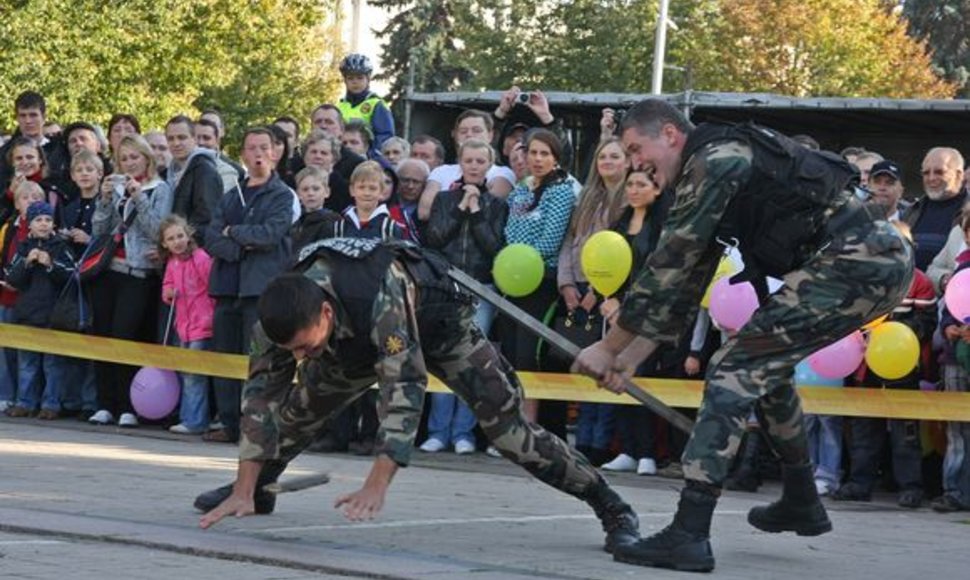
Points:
x=202, y=234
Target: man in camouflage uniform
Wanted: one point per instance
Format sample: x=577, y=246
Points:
x=361, y=312
x=848, y=267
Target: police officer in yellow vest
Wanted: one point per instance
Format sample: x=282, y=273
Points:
x=361, y=104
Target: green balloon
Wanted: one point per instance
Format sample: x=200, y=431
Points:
x=518, y=270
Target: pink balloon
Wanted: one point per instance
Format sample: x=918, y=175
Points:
x=155, y=392
x=732, y=305
x=839, y=359
x=957, y=296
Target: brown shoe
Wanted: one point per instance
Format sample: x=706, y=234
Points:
x=18, y=411
x=217, y=436
x=48, y=414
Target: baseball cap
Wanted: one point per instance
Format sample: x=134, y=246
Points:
x=886, y=167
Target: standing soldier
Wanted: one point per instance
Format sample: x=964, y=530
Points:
x=361, y=312
x=795, y=218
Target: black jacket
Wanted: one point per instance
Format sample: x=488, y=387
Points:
x=313, y=226
x=198, y=193
x=469, y=241
x=39, y=286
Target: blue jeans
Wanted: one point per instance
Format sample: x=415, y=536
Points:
x=194, y=405
x=79, y=391
x=594, y=429
x=825, y=446
x=956, y=463
x=8, y=363
x=40, y=378
x=450, y=420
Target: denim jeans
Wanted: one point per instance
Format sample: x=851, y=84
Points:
x=8, y=363
x=194, y=405
x=865, y=447
x=956, y=463
x=450, y=420
x=79, y=391
x=595, y=426
x=825, y=446
x=40, y=377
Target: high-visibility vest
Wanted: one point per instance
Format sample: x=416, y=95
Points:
x=364, y=111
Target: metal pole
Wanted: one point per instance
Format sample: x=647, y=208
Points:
x=355, y=25
x=409, y=93
x=658, y=49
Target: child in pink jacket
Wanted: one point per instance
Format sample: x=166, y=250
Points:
x=186, y=289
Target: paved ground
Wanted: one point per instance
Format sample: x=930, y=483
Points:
x=83, y=502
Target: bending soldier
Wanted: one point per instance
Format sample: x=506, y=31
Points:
x=362, y=312
x=794, y=215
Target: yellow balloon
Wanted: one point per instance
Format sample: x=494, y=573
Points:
x=893, y=350
x=606, y=260
x=724, y=268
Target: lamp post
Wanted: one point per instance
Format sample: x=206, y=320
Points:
x=658, y=49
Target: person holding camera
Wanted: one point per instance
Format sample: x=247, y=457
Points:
x=517, y=113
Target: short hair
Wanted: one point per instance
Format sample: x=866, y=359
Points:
x=218, y=115
x=368, y=170
x=30, y=100
x=85, y=156
x=258, y=130
x=209, y=124
x=290, y=303
x=26, y=188
x=119, y=117
x=138, y=143
x=361, y=128
x=439, y=148
x=175, y=220
x=290, y=120
x=875, y=157
x=181, y=119
x=852, y=151
x=402, y=143
x=311, y=171
x=318, y=136
x=806, y=141
x=412, y=162
x=21, y=141
x=477, y=144
x=329, y=107
x=475, y=114
x=650, y=115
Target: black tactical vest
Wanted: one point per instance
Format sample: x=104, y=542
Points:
x=779, y=215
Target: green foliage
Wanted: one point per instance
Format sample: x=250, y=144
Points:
x=945, y=25
x=252, y=59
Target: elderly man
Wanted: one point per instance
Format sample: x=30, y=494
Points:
x=886, y=185
x=931, y=217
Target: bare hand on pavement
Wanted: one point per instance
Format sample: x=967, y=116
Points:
x=233, y=506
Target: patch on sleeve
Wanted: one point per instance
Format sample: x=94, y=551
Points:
x=395, y=343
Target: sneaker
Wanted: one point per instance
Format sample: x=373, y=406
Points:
x=215, y=426
x=102, y=417
x=491, y=451
x=910, y=499
x=823, y=488
x=647, y=466
x=947, y=504
x=622, y=462
x=4, y=405
x=432, y=445
x=181, y=429
x=464, y=447
x=128, y=420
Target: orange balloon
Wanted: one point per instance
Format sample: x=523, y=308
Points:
x=875, y=322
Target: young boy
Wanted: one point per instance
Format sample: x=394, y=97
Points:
x=368, y=217
x=39, y=271
x=12, y=233
x=361, y=104
x=316, y=222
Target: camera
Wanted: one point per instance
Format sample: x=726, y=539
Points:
x=523, y=98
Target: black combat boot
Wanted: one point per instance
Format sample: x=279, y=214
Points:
x=799, y=510
x=685, y=544
x=746, y=476
x=619, y=521
x=264, y=501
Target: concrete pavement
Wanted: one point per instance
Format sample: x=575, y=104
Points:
x=85, y=502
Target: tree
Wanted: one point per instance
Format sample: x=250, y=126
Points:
x=157, y=58
x=945, y=26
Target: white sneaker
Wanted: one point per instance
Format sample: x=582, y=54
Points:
x=215, y=425
x=128, y=420
x=823, y=488
x=464, y=447
x=432, y=445
x=4, y=405
x=181, y=429
x=491, y=451
x=621, y=462
x=646, y=466
x=102, y=417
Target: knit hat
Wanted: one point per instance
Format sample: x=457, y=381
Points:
x=39, y=208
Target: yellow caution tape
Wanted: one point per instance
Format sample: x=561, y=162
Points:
x=853, y=402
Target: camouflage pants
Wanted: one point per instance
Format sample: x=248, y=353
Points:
x=864, y=273
x=471, y=367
